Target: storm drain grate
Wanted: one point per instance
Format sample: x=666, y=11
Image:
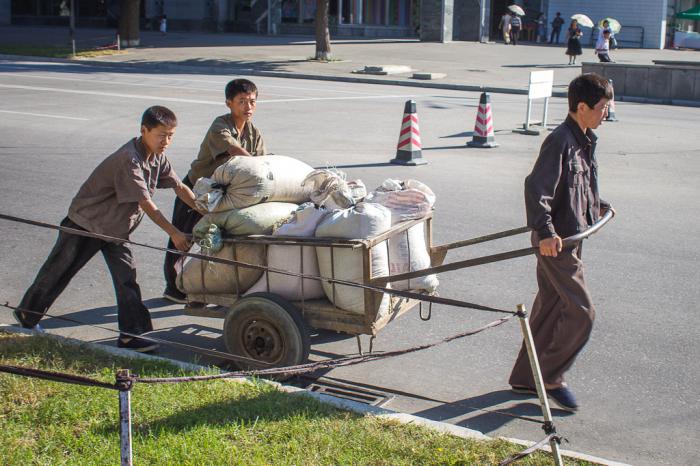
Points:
x=348, y=391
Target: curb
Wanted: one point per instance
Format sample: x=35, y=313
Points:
x=223, y=69
x=348, y=405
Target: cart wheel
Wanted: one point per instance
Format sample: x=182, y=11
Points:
x=267, y=328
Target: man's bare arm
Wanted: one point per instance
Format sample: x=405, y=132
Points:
x=179, y=239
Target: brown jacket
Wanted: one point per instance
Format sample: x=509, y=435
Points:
x=561, y=192
x=221, y=136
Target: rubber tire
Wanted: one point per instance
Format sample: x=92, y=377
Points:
x=266, y=327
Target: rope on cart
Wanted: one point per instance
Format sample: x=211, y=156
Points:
x=285, y=371
x=380, y=289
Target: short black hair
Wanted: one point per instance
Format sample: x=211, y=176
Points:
x=558, y=13
x=240, y=86
x=158, y=115
x=589, y=88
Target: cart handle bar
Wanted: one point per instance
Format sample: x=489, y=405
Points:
x=571, y=240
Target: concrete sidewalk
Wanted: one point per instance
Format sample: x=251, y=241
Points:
x=467, y=65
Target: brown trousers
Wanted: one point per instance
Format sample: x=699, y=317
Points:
x=561, y=318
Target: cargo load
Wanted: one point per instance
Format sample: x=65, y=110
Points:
x=245, y=181
x=207, y=277
x=295, y=259
x=361, y=221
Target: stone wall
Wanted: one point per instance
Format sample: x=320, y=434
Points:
x=667, y=84
x=436, y=18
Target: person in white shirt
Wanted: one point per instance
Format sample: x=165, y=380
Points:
x=602, y=46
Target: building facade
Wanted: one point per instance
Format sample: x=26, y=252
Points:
x=646, y=23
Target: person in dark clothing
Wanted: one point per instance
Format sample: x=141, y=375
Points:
x=573, y=45
x=515, y=25
x=112, y=202
x=557, y=23
x=562, y=199
x=229, y=135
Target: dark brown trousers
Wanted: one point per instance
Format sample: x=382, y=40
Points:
x=184, y=219
x=561, y=318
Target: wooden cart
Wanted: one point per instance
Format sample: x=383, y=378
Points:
x=268, y=328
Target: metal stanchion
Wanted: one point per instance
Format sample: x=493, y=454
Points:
x=539, y=383
x=124, y=383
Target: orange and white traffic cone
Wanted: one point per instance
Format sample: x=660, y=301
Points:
x=611, y=105
x=483, y=128
x=408, y=150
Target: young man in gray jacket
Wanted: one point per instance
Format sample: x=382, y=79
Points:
x=562, y=199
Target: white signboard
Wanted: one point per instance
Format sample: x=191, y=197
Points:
x=541, y=84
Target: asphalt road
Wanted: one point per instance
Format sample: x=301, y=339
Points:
x=637, y=379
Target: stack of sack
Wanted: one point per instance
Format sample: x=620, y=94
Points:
x=245, y=196
x=391, y=203
x=260, y=195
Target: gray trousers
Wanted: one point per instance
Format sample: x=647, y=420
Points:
x=68, y=256
x=561, y=318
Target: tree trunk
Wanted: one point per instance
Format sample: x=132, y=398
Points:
x=323, y=36
x=129, y=23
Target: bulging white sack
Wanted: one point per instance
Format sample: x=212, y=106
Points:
x=206, y=277
x=362, y=221
x=244, y=181
x=295, y=259
x=407, y=200
x=408, y=252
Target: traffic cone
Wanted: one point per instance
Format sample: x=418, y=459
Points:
x=483, y=128
x=408, y=150
x=611, y=106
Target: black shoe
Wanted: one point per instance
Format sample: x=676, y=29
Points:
x=18, y=317
x=137, y=344
x=563, y=398
x=175, y=296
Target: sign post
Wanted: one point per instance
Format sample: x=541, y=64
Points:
x=540, y=88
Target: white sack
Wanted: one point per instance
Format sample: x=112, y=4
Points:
x=303, y=223
x=200, y=276
x=408, y=252
x=205, y=277
x=362, y=221
x=330, y=189
x=407, y=200
x=259, y=219
x=246, y=181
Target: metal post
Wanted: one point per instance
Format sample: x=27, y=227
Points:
x=71, y=21
x=526, y=126
x=73, y=44
x=123, y=380
x=539, y=383
x=119, y=43
x=544, y=114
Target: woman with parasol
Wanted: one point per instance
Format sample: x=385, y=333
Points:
x=573, y=46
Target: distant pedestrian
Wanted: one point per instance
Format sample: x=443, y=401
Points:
x=562, y=199
x=602, y=47
x=573, y=46
x=541, y=28
x=163, y=26
x=515, y=25
x=504, y=24
x=606, y=27
x=557, y=24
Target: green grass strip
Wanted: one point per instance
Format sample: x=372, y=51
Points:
x=203, y=423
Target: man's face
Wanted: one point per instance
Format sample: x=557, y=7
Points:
x=593, y=117
x=242, y=106
x=157, y=139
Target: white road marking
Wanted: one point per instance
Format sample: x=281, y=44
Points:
x=47, y=115
x=206, y=81
x=192, y=101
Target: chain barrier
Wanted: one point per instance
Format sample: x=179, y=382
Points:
x=530, y=450
x=379, y=289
